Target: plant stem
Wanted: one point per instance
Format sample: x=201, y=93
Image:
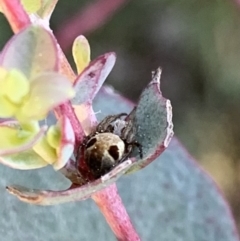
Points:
x=18, y=19
x=13, y=11
x=107, y=199
x=67, y=110
x=112, y=208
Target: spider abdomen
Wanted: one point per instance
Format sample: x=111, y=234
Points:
x=103, y=151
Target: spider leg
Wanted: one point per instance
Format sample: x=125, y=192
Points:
x=128, y=132
x=131, y=115
x=139, y=146
x=128, y=135
x=103, y=126
x=129, y=147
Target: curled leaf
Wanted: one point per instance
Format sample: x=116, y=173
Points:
x=153, y=121
x=88, y=83
x=25, y=160
x=39, y=197
x=87, y=86
x=181, y=200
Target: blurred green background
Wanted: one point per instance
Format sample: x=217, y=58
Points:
x=197, y=44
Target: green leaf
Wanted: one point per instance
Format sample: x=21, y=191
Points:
x=31, y=6
x=26, y=160
x=32, y=51
x=81, y=53
x=47, y=91
x=46, y=9
x=171, y=199
x=13, y=139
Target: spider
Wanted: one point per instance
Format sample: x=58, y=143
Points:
x=110, y=144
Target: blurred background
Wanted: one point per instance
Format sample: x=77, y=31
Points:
x=197, y=44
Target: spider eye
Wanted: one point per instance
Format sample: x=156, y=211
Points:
x=114, y=152
x=91, y=142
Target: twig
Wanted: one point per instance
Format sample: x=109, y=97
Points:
x=107, y=199
x=112, y=208
x=16, y=16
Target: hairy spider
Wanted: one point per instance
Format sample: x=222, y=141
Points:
x=110, y=144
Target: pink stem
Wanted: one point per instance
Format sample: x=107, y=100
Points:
x=15, y=14
x=18, y=19
x=111, y=206
x=107, y=199
x=88, y=19
x=67, y=110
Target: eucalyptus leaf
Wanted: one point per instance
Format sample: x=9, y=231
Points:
x=48, y=90
x=32, y=51
x=87, y=85
x=31, y=6
x=25, y=160
x=153, y=122
x=44, y=197
x=81, y=53
x=46, y=9
x=171, y=199
x=14, y=140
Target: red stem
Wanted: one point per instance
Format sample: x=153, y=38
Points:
x=67, y=110
x=18, y=19
x=107, y=199
x=112, y=208
x=86, y=20
x=15, y=14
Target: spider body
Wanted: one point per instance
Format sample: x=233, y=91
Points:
x=110, y=144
